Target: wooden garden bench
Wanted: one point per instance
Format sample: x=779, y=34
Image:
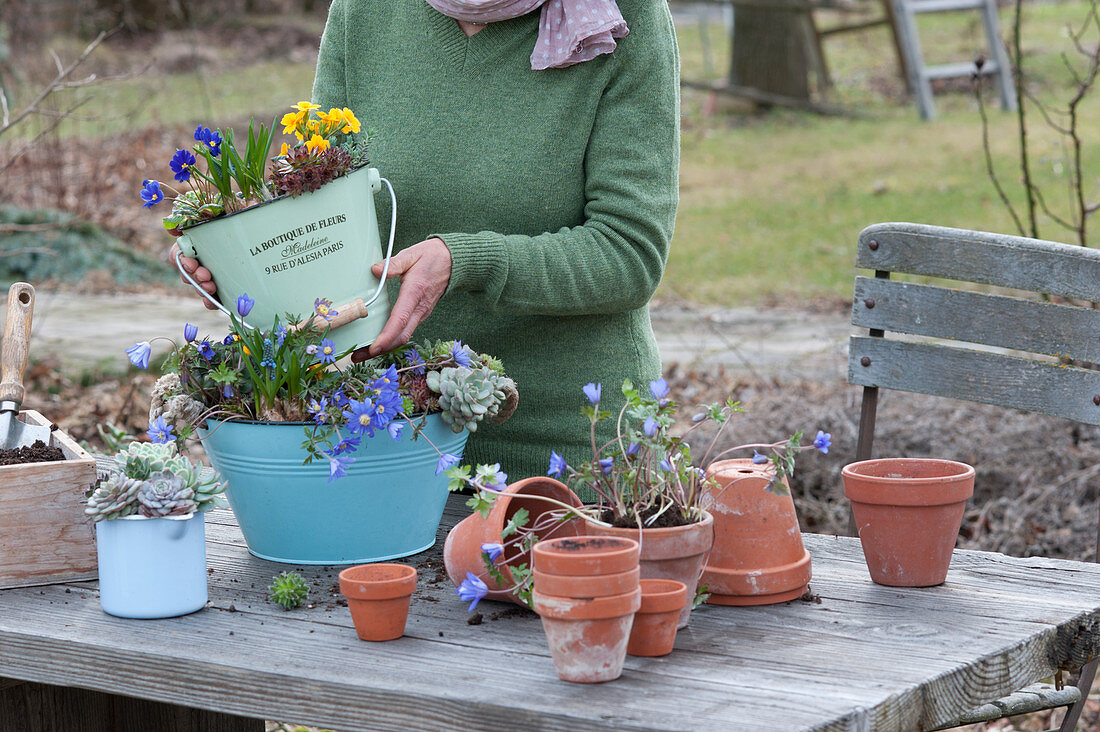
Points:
x=1032, y=344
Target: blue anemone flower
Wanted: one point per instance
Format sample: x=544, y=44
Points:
x=160, y=431
x=139, y=354
x=348, y=444
x=358, y=416
x=650, y=427
x=666, y=465
x=244, y=304
x=414, y=359
x=557, y=464
x=498, y=480
x=190, y=332
x=593, y=391
x=326, y=352
x=317, y=409
x=210, y=138
x=206, y=350
x=632, y=448
x=394, y=428
x=472, y=589
x=280, y=335
x=151, y=193
x=446, y=462
x=606, y=464
x=181, y=164
x=461, y=354
x=758, y=459
x=822, y=441
x=227, y=391
x=493, y=551
x=337, y=466
x=658, y=388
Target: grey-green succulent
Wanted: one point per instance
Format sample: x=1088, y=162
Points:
x=165, y=494
x=114, y=497
x=468, y=395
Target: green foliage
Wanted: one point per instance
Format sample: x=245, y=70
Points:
x=288, y=590
x=702, y=592
x=58, y=246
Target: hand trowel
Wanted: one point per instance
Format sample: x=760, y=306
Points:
x=14, y=432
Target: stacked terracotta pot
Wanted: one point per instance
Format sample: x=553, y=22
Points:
x=586, y=589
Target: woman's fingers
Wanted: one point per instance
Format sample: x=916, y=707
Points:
x=199, y=273
x=425, y=270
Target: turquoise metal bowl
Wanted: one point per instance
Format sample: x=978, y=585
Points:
x=389, y=505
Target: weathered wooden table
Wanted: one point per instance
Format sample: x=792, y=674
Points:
x=863, y=657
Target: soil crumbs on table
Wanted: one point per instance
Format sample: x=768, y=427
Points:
x=39, y=452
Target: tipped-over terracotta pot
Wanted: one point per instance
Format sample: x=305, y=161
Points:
x=654, y=629
x=462, y=549
x=676, y=553
x=907, y=513
x=587, y=635
x=378, y=597
x=758, y=557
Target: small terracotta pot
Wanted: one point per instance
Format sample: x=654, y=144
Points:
x=654, y=629
x=587, y=636
x=378, y=597
x=462, y=549
x=599, y=585
x=585, y=556
x=676, y=553
x=758, y=557
x=907, y=513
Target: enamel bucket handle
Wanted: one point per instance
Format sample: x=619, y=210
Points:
x=191, y=280
x=389, y=249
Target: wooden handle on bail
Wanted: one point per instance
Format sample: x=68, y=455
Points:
x=346, y=313
x=17, y=336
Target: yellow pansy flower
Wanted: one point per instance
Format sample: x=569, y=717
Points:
x=317, y=143
x=332, y=119
x=306, y=106
x=352, y=124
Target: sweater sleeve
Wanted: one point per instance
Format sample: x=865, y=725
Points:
x=614, y=261
x=330, y=82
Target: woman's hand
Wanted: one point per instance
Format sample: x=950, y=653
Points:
x=201, y=274
x=425, y=270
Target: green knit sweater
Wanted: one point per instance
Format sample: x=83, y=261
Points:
x=554, y=190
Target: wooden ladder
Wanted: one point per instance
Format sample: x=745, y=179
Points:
x=920, y=75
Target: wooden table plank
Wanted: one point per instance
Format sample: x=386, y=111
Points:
x=865, y=657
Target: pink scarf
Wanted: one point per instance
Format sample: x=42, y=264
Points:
x=570, y=31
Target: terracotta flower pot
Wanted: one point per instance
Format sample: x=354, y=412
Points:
x=598, y=585
x=378, y=597
x=654, y=629
x=587, y=636
x=462, y=549
x=758, y=557
x=585, y=556
x=907, y=513
x=676, y=553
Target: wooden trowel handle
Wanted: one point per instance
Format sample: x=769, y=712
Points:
x=17, y=336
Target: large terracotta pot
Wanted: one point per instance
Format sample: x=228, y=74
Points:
x=462, y=549
x=758, y=557
x=907, y=513
x=676, y=553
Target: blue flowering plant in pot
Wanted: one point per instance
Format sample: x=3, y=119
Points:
x=282, y=226
x=328, y=463
x=644, y=484
x=150, y=534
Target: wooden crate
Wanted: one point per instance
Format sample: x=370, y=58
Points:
x=44, y=535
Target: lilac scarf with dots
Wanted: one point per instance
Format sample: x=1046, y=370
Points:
x=570, y=31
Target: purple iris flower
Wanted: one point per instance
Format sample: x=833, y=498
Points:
x=822, y=441
x=557, y=464
x=139, y=354
x=593, y=391
x=446, y=462
x=160, y=431
x=493, y=551
x=181, y=164
x=190, y=332
x=151, y=193
x=472, y=589
x=244, y=304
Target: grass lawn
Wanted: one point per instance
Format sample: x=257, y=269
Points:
x=771, y=203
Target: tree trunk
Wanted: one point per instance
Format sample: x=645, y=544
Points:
x=769, y=51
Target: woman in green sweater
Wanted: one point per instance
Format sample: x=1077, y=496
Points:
x=536, y=162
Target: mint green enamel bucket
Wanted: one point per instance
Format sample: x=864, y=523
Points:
x=288, y=252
